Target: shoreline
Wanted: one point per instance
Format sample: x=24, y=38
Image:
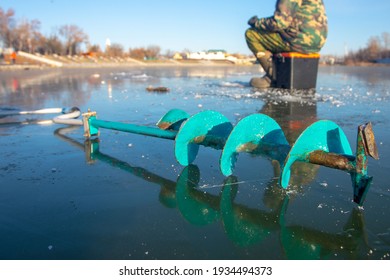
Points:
x=24, y=67
x=18, y=67
x=32, y=69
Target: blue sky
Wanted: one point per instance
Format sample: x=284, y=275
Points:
x=196, y=25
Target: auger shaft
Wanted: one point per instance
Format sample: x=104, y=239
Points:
x=332, y=160
x=208, y=129
x=132, y=128
x=92, y=125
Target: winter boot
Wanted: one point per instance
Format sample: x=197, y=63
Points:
x=261, y=82
x=265, y=60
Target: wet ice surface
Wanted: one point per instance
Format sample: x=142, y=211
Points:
x=132, y=200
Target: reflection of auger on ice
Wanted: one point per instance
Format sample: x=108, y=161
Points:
x=323, y=143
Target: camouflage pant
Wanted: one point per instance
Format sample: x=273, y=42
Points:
x=265, y=41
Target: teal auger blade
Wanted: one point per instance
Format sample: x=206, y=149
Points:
x=322, y=135
x=250, y=134
x=173, y=119
x=208, y=128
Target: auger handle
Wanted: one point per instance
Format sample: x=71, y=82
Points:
x=368, y=140
x=366, y=146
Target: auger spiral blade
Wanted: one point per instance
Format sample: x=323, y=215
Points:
x=173, y=119
x=208, y=128
x=319, y=139
x=256, y=133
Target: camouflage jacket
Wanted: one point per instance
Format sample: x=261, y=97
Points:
x=301, y=23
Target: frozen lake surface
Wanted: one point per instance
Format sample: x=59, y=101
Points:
x=134, y=201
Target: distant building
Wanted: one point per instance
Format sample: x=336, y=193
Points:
x=208, y=55
x=177, y=56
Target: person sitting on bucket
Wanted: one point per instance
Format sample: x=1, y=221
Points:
x=296, y=26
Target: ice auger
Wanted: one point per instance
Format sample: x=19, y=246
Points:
x=323, y=143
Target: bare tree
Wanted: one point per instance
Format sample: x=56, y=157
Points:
x=373, y=48
x=53, y=45
x=386, y=40
x=185, y=52
x=137, y=53
x=152, y=51
x=27, y=35
x=95, y=49
x=169, y=53
x=376, y=49
x=115, y=50
x=7, y=22
x=73, y=36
